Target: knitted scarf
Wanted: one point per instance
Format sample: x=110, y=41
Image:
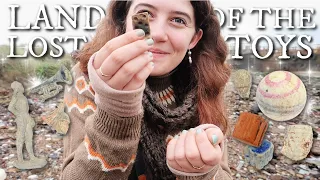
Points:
x=159, y=122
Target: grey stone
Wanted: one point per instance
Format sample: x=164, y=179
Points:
x=255, y=109
x=3, y=125
x=271, y=170
x=3, y=174
x=54, y=156
x=303, y=172
x=314, y=160
x=316, y=148
x=33, y=177
x=277, y=177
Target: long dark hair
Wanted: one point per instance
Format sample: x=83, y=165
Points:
x=208, y=71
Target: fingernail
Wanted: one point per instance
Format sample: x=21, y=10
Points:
x=184, y=132
x=140, y=33
x=191, y=129
x=199, y=131
x=214, y=139
x=150, y=55
x=150, y=42
x=152, y=64
x=176, y=137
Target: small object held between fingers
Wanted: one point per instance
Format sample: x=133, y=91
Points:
x=141, y=21
x=198, y=168
x=102, y=74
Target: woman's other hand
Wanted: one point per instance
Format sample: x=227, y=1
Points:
x=196, y=150
x=124, y=62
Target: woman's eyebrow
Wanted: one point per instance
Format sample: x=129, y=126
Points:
x=173, y=12
x=182, y=13
x=144, y=4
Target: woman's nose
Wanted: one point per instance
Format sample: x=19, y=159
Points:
x=158, y=31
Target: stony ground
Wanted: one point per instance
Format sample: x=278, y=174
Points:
x=48, y=143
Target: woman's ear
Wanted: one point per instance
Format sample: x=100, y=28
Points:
x=195, y=39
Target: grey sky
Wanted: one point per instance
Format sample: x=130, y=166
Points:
x=29, y=9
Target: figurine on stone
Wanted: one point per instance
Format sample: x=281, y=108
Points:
x=58, y=119
x=242, y=82
x=25, y=124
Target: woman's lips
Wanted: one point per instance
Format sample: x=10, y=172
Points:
x=158, y=53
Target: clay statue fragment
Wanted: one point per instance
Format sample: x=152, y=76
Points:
x=298, y=142
x=242, y=82
x=58, y=119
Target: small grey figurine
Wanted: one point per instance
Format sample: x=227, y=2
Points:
x=20, y=108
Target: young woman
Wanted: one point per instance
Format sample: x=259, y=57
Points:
x=130, y=94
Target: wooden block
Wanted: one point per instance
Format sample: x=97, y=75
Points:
x=250, y=129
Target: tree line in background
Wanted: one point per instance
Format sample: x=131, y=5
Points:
x=24, y=69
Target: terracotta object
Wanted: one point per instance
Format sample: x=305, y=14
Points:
x=250, y=129
x=20, y=108
x=242, y=82
x=298, y=142
x=281, y=96
x=141, y=21
x=58, y=119
x=260, y=156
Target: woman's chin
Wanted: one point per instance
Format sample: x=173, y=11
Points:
x=157, y=71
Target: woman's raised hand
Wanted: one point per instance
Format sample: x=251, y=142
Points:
x=124, y=62
x=196, y=150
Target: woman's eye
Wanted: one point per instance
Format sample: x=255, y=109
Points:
x=179, y=20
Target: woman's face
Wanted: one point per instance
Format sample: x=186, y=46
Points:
x=172, y=25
